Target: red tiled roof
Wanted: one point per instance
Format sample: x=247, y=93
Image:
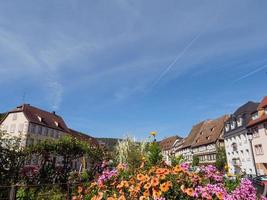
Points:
x=166, y=144
x=261, y=118
x=84, y=137
x=257, y=121
x=210, y=131
x=188, y=141
x=263, y=103
x=42, y=117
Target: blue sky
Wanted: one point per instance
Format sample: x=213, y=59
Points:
x=120, y=66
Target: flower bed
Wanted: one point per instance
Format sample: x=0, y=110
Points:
x=164, y=182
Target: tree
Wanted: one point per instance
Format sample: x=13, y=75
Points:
x=154, y=154
x=66, y=148
x=195, y=161
x=221, y=159
x=12, y=158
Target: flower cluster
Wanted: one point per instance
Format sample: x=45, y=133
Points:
x=211, y=172
x=106, y=175
x=162, y=183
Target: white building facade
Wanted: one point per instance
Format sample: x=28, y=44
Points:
x=237, y=145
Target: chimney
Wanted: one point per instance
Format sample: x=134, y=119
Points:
x=54, y=112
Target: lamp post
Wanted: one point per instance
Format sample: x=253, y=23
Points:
x=250, y=136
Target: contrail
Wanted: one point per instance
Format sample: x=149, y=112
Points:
x=251, y=73
x=178, y=57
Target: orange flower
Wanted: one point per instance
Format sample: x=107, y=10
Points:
x=164, y=187
x=177, y=169
x=132, y=181
x=146, y=178
x=189, y=192
x=143, y=198
x=154, y=181
x=111, y=198
x=120, y=185
x=160, y=171
x=162, y=176
x=146, y=193
x=99, y=196
x=156, y=193
x=147, y=186
x=219, y=195
x=140, y=177
x=122, y=197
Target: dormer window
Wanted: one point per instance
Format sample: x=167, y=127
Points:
x=233, y=124
x=39, y=118
x=255, y=116
x=56, y=123
x=212, y=129
x=239, y=121
x=227, y=127
x=201, y=133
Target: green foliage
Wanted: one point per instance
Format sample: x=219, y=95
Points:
x=12, y=158
x=221, y=159
x=25, y=194
x=154, y=154
x=195, y=161
x=231, y=184
x=177, y=160
x=44, y=193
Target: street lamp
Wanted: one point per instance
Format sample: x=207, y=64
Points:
x=250, y=136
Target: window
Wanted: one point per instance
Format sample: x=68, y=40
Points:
x=239, y=121
x=46, y=131
x=255, y=116
x=56, y=123
x=255, y=132
x=265, y=110
x=39, y=118
x=12, y=128
x=20, y=128
x=233, y=124
x=40, y=129
x=259, y=149
x=265, y=128
x=227, y=127
x=14, y=117
x=52, y=133
x=234, y=146
x=56, y=134
x=33, y=128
